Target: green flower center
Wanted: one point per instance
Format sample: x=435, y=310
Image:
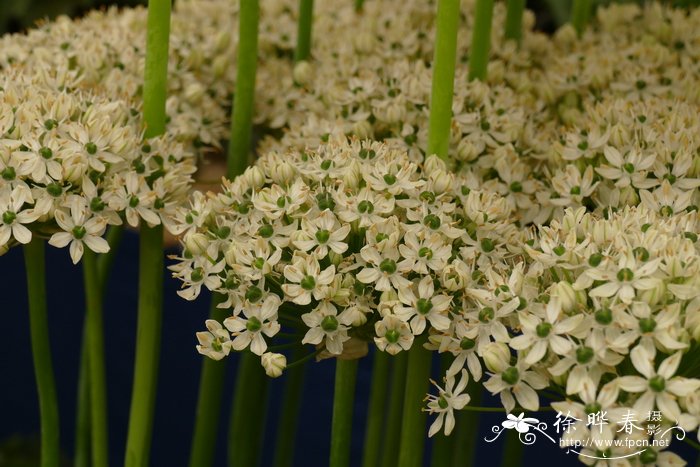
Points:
x=467, y=344
x=487, y=245
x=329, y=323
x=486, y=314
x=511, y=375
x=442, y=403
x=9, y=217
x=648, y=456
x=96, y=204
x=604, y=316
x=575, y=190
x=629, y=168
x=388, y=266
x=197, y=273
x=432, y=221
x=266, y=231
x=46, y=153
x=595, y=259
x=647, y=325
x=389, y=179
x=54, y=189
x=516, y=187
x=259, y=263
x=322, y=236
x=584, y=355
x=308, y=283
x=392, y=336
x=424, y=306
x=425, y=252
x=543, y=329
x=625, y=275
x=253, y=294
x=253, y=324
x=91, y=148
x=657, y=384
x=133, y=201
x=365, y=207
x=592, y=408
x=9, y=173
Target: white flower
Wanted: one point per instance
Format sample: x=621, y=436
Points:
x=321, y=234
x=660, y=388
x=427, y=306
x=393, y=335
x=324, y=323
x=383, y=268
x=518, y=381
x=446, y=402
x=216, y=343
x=13, y=217
x=259, y=320
x=306, y=279
x=79, y=228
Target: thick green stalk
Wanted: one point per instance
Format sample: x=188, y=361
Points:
x=359, y=4
x=376, y=413
x=392, y=430
x=442, y=92
x=82, y=431
x=512, y=451
x=211, y=387
x=343, y=398
x=580, y=14
x=306, y=13
x=244, y=97
x=289, y=418
x=467, y=429
x=248, y=413
x=41, y=352
x=96, y=360
x=150, y=310
x=155, y=85
x=514, y=19
x=413, y=429
x=481, y=40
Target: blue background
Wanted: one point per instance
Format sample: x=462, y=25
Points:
x=178, y=376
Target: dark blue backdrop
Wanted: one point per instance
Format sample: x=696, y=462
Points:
x=179, y=371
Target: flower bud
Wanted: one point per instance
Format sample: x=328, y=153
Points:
x=255, y=177
x=195, y=58
x=273, y=363
x=194, y=93
x=441, y=181
x=223, y=39
x=495, y=71
x=302, y=73
x=363, y=129
x=220, y=65
x=619, y=135
x=352, y=175
x=433, y=163
x=467, y=151
x=496, y=357
x=653, y=295
x=567, y=295
x=566, y=35
x=196, y=243
x=282, y=173
x=629, y=196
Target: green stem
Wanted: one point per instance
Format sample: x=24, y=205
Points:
x=512, y=451
x=306, y=12
x=150, y=310
x=211, y=388
x=244, y=97
x=96, y=360
x=343, y=398
x=514, y=20
x=392, y=429
x=413, y=429
x=481, y=40
x=442, y=92
x=289, y=418
x=41, y=352
x=375, y=410
x=580, y=14
x=359, y=4
x=155, y=84
x=82, y=435
x=248, y=413
x=467, y=429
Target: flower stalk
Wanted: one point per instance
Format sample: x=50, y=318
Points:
x=392, y=430
x=244, y=100
x=248, y=413
x=375, y=409
x=150, y=301
x=41, y=352
x=413, y=431
x=444, y=62
x=343, y=398
x=289, y=418
x=306, y=12
x=481, y=40
x=150, y=310
x=96, y=360
x=211, y=388
x=580, y=14
x=514, y=20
